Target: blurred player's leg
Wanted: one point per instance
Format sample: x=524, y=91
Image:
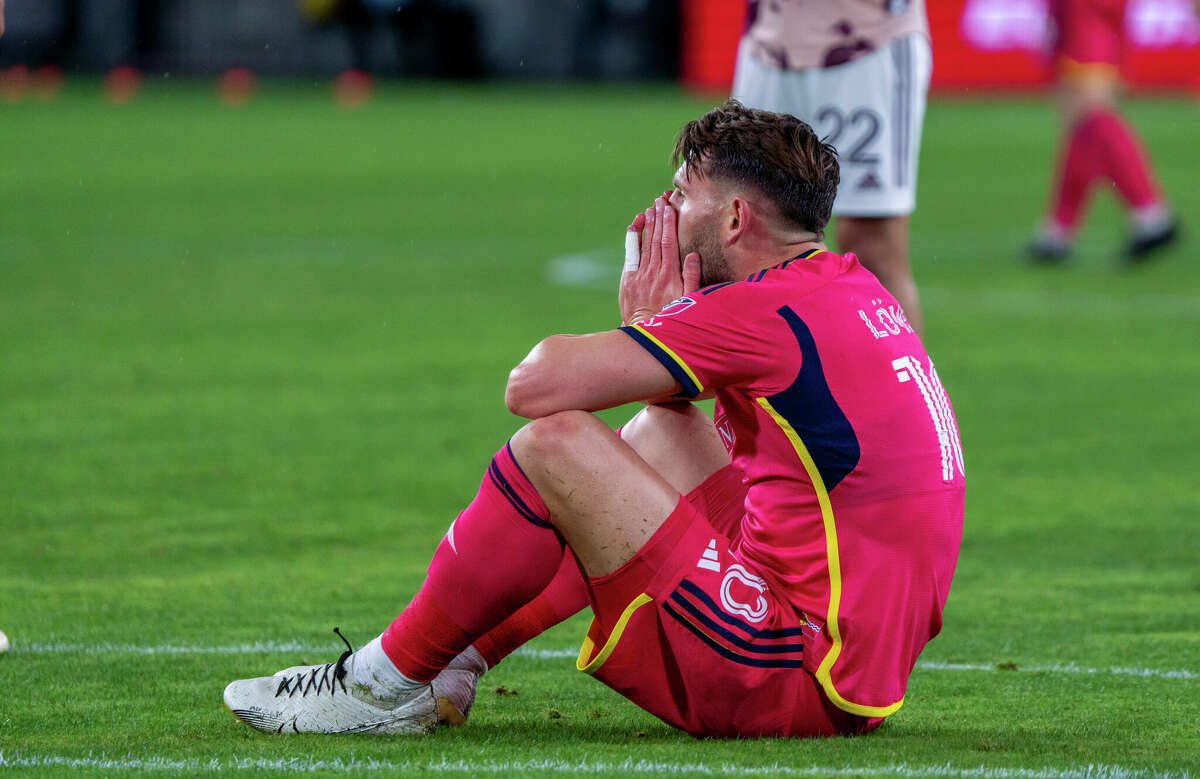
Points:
x=1124, y=161
x=881, y=244
x=1077, y=171
x=1099, y=144
x=1097, y=141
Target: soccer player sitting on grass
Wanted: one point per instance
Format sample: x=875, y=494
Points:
x=774, y=571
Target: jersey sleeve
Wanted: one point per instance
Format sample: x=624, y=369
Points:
x=714, y=338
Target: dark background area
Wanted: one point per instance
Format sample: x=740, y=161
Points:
x=513, y=39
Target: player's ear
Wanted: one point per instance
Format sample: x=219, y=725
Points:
x=738, y=220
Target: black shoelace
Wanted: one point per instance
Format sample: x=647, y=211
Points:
x=324, y=677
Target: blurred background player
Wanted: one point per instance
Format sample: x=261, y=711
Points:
x=858, y=71
x=1097, y=142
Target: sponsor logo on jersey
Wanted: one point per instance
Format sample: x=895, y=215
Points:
x=725, y=429
x=677, y=306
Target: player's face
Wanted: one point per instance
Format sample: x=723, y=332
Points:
x=697, y=201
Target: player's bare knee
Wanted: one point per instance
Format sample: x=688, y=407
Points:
x=679, y=441
x=653, y=422
x=556, y=438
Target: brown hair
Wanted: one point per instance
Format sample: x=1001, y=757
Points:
x=777, y=154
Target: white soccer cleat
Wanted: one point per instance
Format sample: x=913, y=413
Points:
x=326, y=699
x=454, y=686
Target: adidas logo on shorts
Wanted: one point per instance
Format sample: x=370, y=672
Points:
x=708, y=560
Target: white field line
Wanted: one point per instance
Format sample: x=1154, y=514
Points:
x=557, y=766
x=1061, y=668
x=295, y=647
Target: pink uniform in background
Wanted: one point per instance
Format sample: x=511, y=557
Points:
x=1099, y=145
x=1088, y=33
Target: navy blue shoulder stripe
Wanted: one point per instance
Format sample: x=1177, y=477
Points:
x=715, y=287
x=690, y=390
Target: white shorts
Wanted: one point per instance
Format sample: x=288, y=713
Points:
x=870, y=109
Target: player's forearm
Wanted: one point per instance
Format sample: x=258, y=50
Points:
x=584, y=372
x=550, y=379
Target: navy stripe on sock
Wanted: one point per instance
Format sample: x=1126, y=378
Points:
x=507, y=491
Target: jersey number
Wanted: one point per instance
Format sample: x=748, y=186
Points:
x=838, y=121
x=909, y=368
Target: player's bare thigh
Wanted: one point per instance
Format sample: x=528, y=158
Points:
x=606, y=499
x=1078, y=97
x=679, y=441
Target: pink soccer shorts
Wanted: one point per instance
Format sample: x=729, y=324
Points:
x=687, y=631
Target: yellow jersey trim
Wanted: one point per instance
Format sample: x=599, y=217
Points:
x=589, y=664
x=823, y=675
x=678, y=360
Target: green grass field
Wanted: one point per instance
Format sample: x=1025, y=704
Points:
x=252, y=363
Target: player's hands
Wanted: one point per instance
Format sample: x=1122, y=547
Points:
x=659, y=276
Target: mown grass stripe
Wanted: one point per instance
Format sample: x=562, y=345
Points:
x=267, y=647
x=559, y=766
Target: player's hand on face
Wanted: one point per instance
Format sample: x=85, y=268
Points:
x=659, y=276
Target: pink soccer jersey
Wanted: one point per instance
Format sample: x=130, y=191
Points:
x=851, y=454
x=1088, y=34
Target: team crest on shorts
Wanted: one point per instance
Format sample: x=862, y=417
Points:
x=742, y=594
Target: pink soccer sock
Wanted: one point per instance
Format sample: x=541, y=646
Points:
x=1076, y=172
x=498, y=555
x=1121, y=157
x=1101, y=144
x=564, y=596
